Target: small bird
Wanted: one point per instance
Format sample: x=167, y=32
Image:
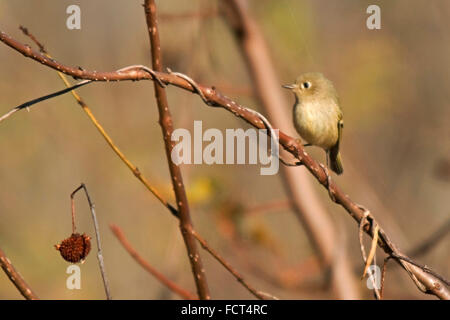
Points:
x=317, y=115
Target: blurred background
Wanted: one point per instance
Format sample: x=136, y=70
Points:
x=394, y=90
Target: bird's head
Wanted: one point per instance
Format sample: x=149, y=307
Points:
x=311, y=85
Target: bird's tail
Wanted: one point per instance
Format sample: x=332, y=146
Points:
x=335, y=160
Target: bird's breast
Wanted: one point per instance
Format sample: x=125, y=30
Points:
x=317, y=123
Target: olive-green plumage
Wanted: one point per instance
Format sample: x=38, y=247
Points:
x=317, y=115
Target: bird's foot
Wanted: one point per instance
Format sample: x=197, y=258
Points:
x=328, y=186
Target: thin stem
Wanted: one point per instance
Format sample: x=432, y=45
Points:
x=16, y=278
x=431, y=242
x=97, y=235
x=72, y=205
x=40, y=99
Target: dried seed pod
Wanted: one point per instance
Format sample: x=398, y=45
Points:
x=75, y=248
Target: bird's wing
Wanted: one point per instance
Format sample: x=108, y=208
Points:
x=335, y=158
x=334, y=150
x=340, y=128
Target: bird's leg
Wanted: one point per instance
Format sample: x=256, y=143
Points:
x=327, y=174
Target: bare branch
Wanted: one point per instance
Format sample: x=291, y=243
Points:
x=97, y=236
x=429, y=243
x=16, y=278
x=165, y=120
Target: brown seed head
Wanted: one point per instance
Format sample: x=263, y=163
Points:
x=75, y=248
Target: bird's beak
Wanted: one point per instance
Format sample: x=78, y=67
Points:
x=289, y=86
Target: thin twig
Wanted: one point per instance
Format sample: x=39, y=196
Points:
x=97, y=236
x=147, y=266
x=33, y=38
x=16, y=278
x=383, y=276
x=427, y=244
x=362, y=224
x=72, y=206
x=372, y=251
x=421, y=266
x=34, y=101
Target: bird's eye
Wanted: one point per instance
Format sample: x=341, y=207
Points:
x=306, y=85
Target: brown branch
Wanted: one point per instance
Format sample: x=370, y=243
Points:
x=383, y=276
x=101, y=261
x=368, y=259
x=165, y=120
x=147, y=266
x=35, y=40
x=422, y=267
x=426, y=282
x=426, y=245
x=16, y=278
x=76, y=72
